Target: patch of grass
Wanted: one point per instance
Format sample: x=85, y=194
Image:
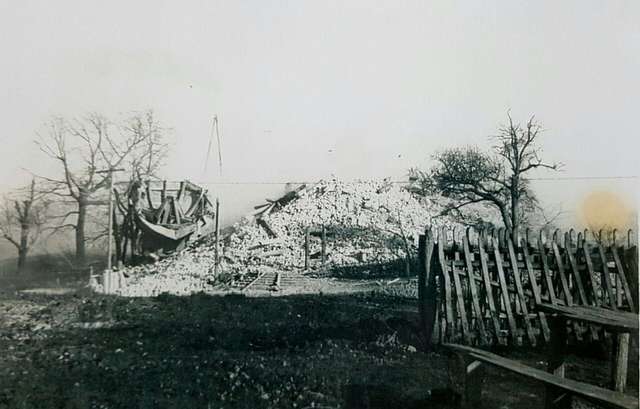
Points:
x=213, y=351
x=234, y=351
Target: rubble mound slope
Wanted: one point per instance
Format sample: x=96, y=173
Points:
x=365, y=222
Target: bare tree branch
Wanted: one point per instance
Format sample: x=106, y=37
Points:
x=86, y=149
x=469, y=176
x=22, y=219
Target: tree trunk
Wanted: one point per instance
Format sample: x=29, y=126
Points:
x=515, y=204
x=81, y=254
x=504, y=214
x=22, y=259
x=24, y=246
x=117, y=238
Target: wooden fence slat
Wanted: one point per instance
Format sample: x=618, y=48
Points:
x=474, y=291
x=490, y=285
x=449, y=319
x=623, y=278
x=563, y=277
x=459, y=268
x=505, y=292
x=590, y=271
x=568, y=298
x=460, y=302
x=547, y=274
x=489, y=294
x=582, y=295
x=429, y=303
x=536, y=292
x=422, y=279
x=520, y=291
x=606, y=278
x=630, y=260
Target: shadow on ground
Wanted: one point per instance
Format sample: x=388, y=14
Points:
x=302, y=351
x=214, y=351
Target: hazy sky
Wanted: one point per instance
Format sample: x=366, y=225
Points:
x=355, y=89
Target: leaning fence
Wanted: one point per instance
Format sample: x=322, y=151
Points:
x=483, y=288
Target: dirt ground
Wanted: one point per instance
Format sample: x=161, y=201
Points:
x=73, y=349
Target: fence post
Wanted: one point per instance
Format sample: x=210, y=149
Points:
x=631, y=261
x=422, y=282
x=324, y=245
x=427, y=292
x=306, y=248
x=217, y=236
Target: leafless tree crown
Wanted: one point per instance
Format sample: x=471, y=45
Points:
x=470, y=175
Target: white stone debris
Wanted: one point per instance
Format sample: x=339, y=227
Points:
x=366, y=222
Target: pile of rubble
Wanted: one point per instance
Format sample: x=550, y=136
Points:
x=364, y=222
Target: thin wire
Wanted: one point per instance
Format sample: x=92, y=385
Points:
x=407, y=181
x=585, y=178
x=393, y=181
x=206, y=161
x=219, y=148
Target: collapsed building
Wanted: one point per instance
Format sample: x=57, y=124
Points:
x=157, y=218
x=365, y=222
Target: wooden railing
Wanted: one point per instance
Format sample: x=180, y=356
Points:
x=483, y=289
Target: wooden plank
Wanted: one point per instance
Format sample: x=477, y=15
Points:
x=461, y=308
x=181, y=190
x=563, y=277
x=556, y=353
x=149, y=202
x=427, y=282
x=594, y=288
x=620, y=362
x=442, y=321
x=504, y=290
x=489, y=294
x=590, y=392
x=615, y=321
x=166, y=211
x=474, y=291
x=547, y=273
x=520, y=291
x=630, y=258
x=582, y=295
x=163, y=192
x=568, y=298
x=466, y=376
x=175, y=211
x=265, y=226
x=323, y=246
x=536, y=292
x=623, y=278
x=449, y=318
x=307, y=253
x=607, y=278
x=422, y=280
x=195, y=205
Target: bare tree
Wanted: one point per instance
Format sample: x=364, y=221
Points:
x=87, y=150
x=153, y=151
x=469, y=175
x=22, y=221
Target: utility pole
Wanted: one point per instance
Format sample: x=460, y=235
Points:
x=214, y=128
x=106, y=277
x=217, y=253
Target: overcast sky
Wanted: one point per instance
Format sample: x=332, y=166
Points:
x=356, y=89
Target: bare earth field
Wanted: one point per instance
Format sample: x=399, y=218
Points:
x=72, y=349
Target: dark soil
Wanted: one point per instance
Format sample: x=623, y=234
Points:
x=300, y=351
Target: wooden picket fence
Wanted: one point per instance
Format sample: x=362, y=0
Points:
x=483, y=289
